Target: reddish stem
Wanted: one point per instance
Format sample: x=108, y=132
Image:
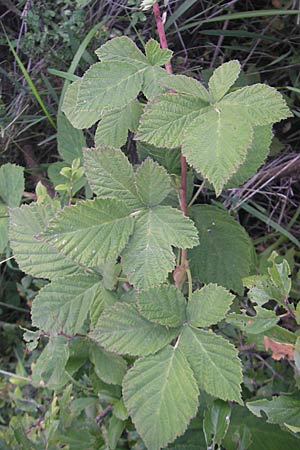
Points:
x=183, y=183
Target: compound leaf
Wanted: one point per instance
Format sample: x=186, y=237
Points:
x=149, y=258
x=164, y=305
x=64, y=304
x=219, y=258
x=113, y=128
x=153, y=183
x=223, y=78
x=216, y=144
x=208, y=305
x=111, y=175
x=123, y=330
x=92, y=232
x=258, y=104
x=35, y=257
x=161, y=396
x=214, y=361
x=166, y=118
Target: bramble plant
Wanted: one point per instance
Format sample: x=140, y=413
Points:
x=138, y=298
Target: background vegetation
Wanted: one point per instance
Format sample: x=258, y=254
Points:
x=45, y=43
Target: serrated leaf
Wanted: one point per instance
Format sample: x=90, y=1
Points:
x=258, y=104
x=223, y=78
x=79, y=117
x=186, y=85
x=49, y=369
x=256, y=155
x=108, y=367
x=152, y=87
x=63, y=305
x=166, y=118
x=113, y=128
x=122, y=329
x=153, y=183
x=164, y=305
x=168, y=158
x=11, y=184
x=149, y=258
x=34, y=257
x=214, y=361
x=70, y=141
x=216, y=144
x=263, y=321
x=109, y=85
x=284, y=409
x=121, y=49
x=161, y=396
x=219, y=258
x=208, y=305
x=106, y=299
x=111, y=175
x=92, y=232
x=155, y=55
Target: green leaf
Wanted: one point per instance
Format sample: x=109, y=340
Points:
x=121, y=49
x=114, y=432
x=108, y=367
x=168, y=158
x=4, y=222
x=280, y=273
x=49, y=369
x=152, y=86
x=258, y=104
x=11, y=184
x=161, y=396
x=36, y=257
x=216, y=422
x=119, y=410
x=164, y=305
x=148, y=257
x=109, y=85
x=263, y=435
x=113, y=128
x=214, y=361
x=263, y=321
x=105, y=299
x=157, y=56
x=186, y=85
x=123, y=330
x=284, y=409
x=208, y=305
x=92, y=232
x=256, y=155
x=223, y=78
x=153, y=183
x=111, y=175
x=70, y=140
x=219, y=258
x=54, y=173
x=79, y=117
x=216, y=144
x=166, y=118
x=67, y=311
